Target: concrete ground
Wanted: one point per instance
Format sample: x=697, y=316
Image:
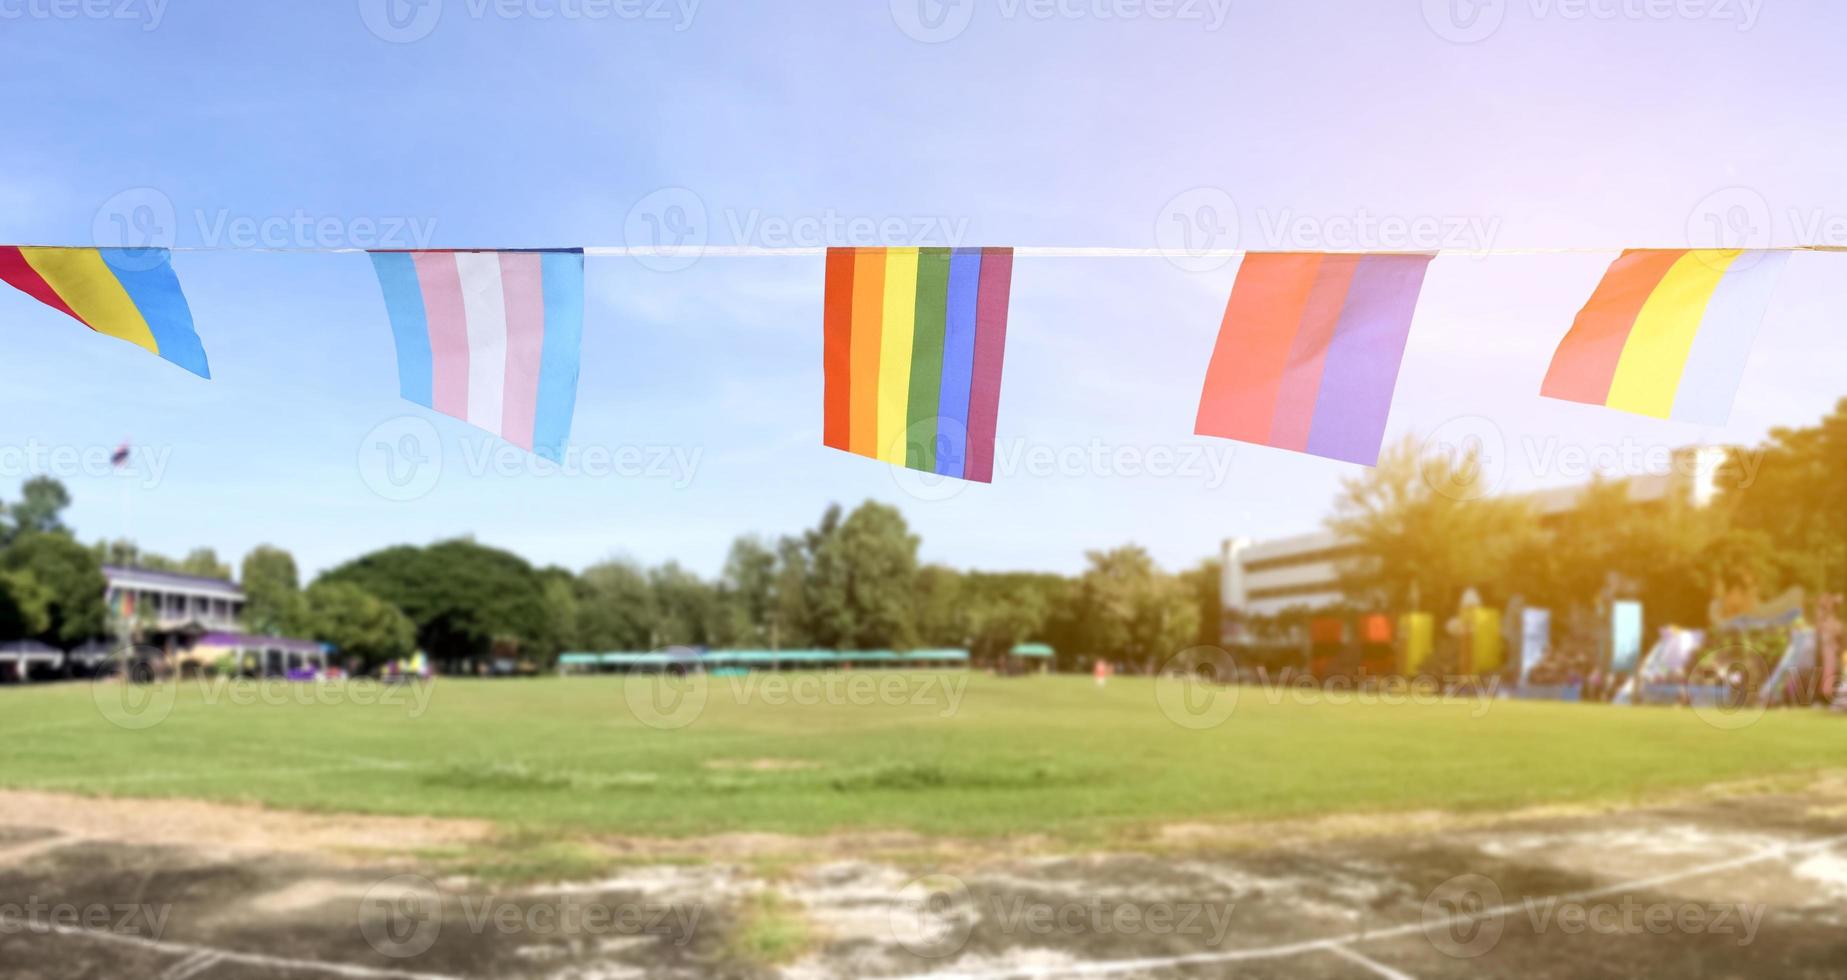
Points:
x=1739, y=886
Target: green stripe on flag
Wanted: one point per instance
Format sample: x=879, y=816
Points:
x=927, y=359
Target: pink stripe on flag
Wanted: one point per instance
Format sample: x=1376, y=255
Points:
x=442, y=307
x=1301, y=381
x=522, y=280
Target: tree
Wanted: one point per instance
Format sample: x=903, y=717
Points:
x=40, y=509
x=687, y=610
x=751, y=579
x=938, y=609
x=358, y=623
x=615, y=608
x=1792, y=497
x=72, y=577
x=1425, y=529
x=873, y=559
x=461, y=595
x=204, y=563
x=1128, y=609
x=25, y=606
x=561, y=610
x=273, y=601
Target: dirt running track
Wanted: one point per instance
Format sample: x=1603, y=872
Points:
x=1732, y=887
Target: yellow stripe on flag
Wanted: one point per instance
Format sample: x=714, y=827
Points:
x=895, y=351
x=87, y=285
x=1648, y=372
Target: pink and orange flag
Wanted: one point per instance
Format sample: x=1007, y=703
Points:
x=1308, y=354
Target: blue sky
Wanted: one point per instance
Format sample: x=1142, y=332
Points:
x=1365, y=123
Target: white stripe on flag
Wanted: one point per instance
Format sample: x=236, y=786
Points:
x=486, y=307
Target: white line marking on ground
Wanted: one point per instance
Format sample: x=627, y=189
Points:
x=191, y=950
x=1369, y=963
x=1283, y=950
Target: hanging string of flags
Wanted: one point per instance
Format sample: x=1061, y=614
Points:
x=914, y=339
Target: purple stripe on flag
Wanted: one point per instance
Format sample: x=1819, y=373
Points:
x=1364, y=356
x=996, y=286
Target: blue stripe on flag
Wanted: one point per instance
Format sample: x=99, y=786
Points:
x=558, y=362
x=146, y=275
x=958, y=361
x=410, y=328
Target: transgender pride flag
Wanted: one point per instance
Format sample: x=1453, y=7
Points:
x=490, y=338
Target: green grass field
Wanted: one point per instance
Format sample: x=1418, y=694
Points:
x=1034, y=755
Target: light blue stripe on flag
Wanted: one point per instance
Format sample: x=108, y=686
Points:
x=146, y=275
x=958, y=361
x=410, y=329
x=558, y=361
x=1715, y=364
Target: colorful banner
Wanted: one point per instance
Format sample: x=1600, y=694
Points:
x=491, y=338
x=1535, y=639
x=1625, y=635
x=128, y=293
x=914, y=341
x=1308, y=352
x=1487, y=648
x=1419, y=631
x=1667, y=333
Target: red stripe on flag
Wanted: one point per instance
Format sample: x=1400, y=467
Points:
x=1261, y=321
x=18, y=273
x=837, y=350
x=1585, y=362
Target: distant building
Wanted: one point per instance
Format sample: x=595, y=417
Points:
x=199, y=621
x=168, y=600
x=1264, y=578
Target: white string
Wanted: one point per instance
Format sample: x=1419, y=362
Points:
x=1022, y=251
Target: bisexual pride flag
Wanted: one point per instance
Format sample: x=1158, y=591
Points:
x=128, y=293
x=1308, y=354
x=1667, y=333
x=490, y=338
x=914, y=340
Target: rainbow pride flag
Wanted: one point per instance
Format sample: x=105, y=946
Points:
x=128, y=293
x=490, y=337
x=1667, y=333
x=914, y=342
x=1308, y=353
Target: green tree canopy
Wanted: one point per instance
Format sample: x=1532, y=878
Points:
x=72, y=578
x=272, y=591
x=358, y=623
x=461, y=595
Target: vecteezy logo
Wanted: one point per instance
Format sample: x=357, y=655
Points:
x=1465, y=458
x=135, y=698
x=1196, y=228
x=1465, y=21
x=1197, y=688
x=1735, y=217
x=401, y=916
x=932, y=21
x=932, y=916
x=137, y=218
x=401, y=459
x=1463, y=917
x=950, y=438
x=667, y=700
x=401, y=21
x=670, y=218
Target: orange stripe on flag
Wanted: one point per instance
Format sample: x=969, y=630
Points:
x=868, y=326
